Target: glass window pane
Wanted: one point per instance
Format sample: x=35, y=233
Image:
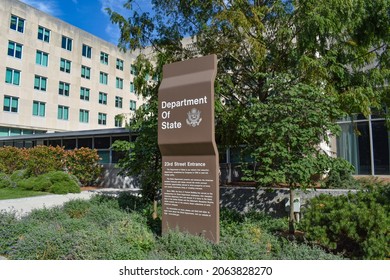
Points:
x=85, y=142
x=8, y=76
x=380, y=140
x=104, y=156
x=69, y=144
x=35, y=108
x=102, y=143
x=7, y=101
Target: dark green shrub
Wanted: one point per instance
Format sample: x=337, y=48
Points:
x=340, y=179
x=356, y=225
x=57, y=182
x=130, y=202
x=40, y=183
x=5, y=181
x=84, y=164
x=18, y=175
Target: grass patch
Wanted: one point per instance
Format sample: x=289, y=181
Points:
x=106, y=228
x=11, y=193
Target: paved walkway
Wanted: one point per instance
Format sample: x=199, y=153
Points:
x=23, y=206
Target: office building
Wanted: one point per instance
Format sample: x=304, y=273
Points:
x=55, y=77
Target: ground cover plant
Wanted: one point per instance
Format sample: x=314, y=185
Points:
x=112, y=228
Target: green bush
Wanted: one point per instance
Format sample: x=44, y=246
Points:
x=57, y=182
x=12, y=159
x=18, y=175
x=84, y=164
x=356, y=225
x=43, y=159
x=340, y=180
x=5, y=181
x=101, y=229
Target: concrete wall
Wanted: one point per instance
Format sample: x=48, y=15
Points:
x=242, y=199
x=271, y=201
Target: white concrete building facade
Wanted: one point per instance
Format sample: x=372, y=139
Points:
x=57, y=77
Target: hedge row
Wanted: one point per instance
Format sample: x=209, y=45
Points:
x=82, y=163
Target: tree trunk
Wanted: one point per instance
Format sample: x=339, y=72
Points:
x=154, y=215
x=291, y=223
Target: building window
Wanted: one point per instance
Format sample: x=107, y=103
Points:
x=103, y=78
x=133, y=105
x=119, y=83
x=102, y=118
x=118, y=122
x=84, y=116
x=66, y=43
x=40, y=83
x=65, y=65
x=133, y=71
x=119, y=64
x=84, y=93
x=11, y=104
x=118, y=101
x=63, y=89
x=63, y=112
x=132, y=87
x=87, y=51
x=85, y=72
x=15, y=49
x=42, y=58
x=39, y=108
x=368, y=150
x=103, y=98
x=12, y=76
x=43, y=34
x=17, y=23
x=104, y=58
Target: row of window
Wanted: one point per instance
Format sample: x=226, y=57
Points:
x=39, y=109
x=12, y=76
x=84, y=95
x=18, y=23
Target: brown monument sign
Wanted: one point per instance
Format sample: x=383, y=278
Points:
x=190, y=184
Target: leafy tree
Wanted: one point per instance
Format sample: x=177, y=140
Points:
x=287, y=70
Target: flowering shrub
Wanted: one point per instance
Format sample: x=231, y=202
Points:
x=43, y=159
x=12, y=158
x=84, y=164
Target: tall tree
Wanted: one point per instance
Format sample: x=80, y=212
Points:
x=287, y=70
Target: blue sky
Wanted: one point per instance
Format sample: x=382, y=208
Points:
x=88, y=15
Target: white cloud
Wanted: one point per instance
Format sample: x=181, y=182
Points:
x=115, y=5
x=112, y=30
x=113, y=33
x=47, y=6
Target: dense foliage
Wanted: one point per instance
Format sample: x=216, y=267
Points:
x=356, y=225
x=110, y=228
x=57, y=182
x=83, y=163
x=287, y=70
